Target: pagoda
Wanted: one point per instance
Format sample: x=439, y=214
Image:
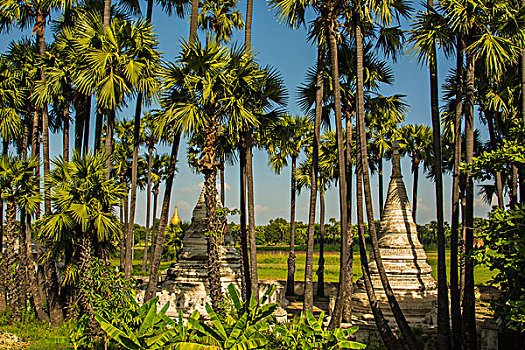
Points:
x=187, y=280
x=404, y=260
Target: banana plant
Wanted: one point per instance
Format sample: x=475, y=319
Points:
x=150, y=329
x=306, y=332
x=242, y=326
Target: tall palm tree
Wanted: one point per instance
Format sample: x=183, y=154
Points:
x=118, y=67
x=480, y=26
x=383, y=16
x=150, y=56
x=429, y=31
x=417, y=142
x=234, y=87
x=292, y=13
x=287, y=139
x=246, y=172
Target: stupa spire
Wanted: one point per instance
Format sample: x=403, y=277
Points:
x=175, y=219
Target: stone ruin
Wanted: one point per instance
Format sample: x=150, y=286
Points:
x=404, y=260
x=186, y=283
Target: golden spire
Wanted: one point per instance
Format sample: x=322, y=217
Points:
x=175, y=220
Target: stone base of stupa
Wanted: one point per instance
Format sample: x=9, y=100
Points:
x=186, y=283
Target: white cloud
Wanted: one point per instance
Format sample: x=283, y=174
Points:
x=422, y=207
x=186, y=190
x=261, y=208
x=182, y=204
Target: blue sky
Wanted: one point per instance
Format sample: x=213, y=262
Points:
x=287, y=51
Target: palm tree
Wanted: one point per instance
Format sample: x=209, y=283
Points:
x=121, y=65
x=480, y=26
x=150, y=56
x=384, y=16
x=417, y=142
x=84, y=199
x=287, y=139
x=425, y=37
x=292, y=13
x=19, y=188
x=220, y=18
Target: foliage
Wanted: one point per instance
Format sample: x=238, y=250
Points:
x=173, y=242
x=147, y=328
x=502, y=249
x=241, y=326
x=307, y=332
x=83, y=203
x=18, y=183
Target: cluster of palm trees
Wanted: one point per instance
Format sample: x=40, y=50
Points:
x=220, y=98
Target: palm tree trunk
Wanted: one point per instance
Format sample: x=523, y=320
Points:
x=39, y=298
x=522, y=88
x=347, y=309
x=469, y=310
x=309, y=262
x=12, y=263
x=86, y=275
x=493, y=143
x=248, y=27
x=320, y=268
x=107, y=14
x=408, y=336
x=341, y=293
x=123, y=240
x=65, y=135
x=55, y=308
x=194, y=20
x=79, y=122
x=87, y=121
x=292, y=215
x=315, y=165
x=109, y=141
x=223, y=183
x=246, y=280
x=388, y=337
x=98, y=128
x=380, y=178
x=134, y=175
x=159, y=244
x=251, y=216
x=149, y=10
x=415, y=171
x=212, y=221
x=455, y=300
x=443, y=337
x=148, y=207
x=155, y=229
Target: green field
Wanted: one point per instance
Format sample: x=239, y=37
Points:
x=272, y=264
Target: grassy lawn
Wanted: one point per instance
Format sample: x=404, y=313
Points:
x=272, y=264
